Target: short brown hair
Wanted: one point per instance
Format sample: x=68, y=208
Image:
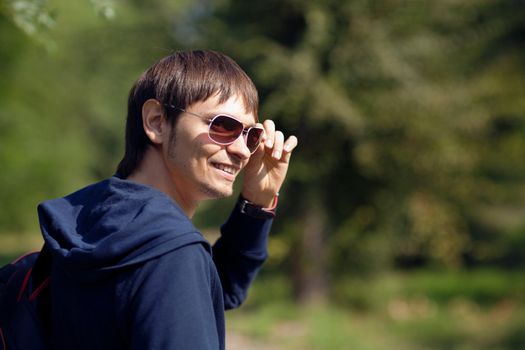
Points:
x=180, y=80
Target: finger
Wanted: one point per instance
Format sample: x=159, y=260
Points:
x=278, y=145
x=290, y=144
x=269, y=129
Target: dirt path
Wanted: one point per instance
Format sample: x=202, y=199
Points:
x=236, y=341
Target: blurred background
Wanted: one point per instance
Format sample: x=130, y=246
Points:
x=402, y=223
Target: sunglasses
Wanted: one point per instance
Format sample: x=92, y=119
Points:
x=224, y=129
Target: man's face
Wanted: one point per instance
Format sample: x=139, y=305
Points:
x=199, y=168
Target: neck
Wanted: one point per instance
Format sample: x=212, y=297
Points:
x=154, y=172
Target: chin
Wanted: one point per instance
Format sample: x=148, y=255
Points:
x=217, y=192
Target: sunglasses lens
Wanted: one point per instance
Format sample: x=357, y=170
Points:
x=253, y=139
x=225, y=129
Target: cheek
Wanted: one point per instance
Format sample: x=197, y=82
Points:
x=202, y=140
x=204, y=147
x=193, y=151
x=188, y=144
x=199, y=153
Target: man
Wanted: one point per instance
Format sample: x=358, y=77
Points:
x=129, y=269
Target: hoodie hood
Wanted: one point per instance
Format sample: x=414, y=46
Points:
x=113, y=224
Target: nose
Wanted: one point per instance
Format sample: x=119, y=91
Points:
x=239, y=148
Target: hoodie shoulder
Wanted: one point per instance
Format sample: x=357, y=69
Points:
x=114, y=223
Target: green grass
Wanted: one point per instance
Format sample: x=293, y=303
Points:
x=481, y=310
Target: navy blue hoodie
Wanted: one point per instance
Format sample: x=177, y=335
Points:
x=130, y=271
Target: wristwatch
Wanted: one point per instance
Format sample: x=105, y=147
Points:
x=257, y=211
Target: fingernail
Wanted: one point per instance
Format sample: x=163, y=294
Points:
x=287, y=148
x=276, y=154
x=269, y=143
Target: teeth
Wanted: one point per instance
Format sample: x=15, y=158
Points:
x=225, y=168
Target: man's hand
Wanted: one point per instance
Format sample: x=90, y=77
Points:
x=265, y=172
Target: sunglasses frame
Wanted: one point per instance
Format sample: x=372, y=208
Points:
x=245, y=130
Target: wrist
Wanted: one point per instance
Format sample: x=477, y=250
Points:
x=264, y=200
x=249, y=208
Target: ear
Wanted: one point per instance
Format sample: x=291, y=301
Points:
x=154, y=122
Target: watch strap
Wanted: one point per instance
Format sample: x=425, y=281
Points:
x=257, y=211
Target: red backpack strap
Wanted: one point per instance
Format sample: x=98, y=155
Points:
x=24, y=285
x=40, y=280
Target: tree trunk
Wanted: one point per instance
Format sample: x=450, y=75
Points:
x=309, y=259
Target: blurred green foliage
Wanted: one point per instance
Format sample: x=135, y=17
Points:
x=410, y=116
x=63, y=98
x=412, y=121
x=406, y=195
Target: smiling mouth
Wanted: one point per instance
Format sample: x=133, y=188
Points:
x=226, y=168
